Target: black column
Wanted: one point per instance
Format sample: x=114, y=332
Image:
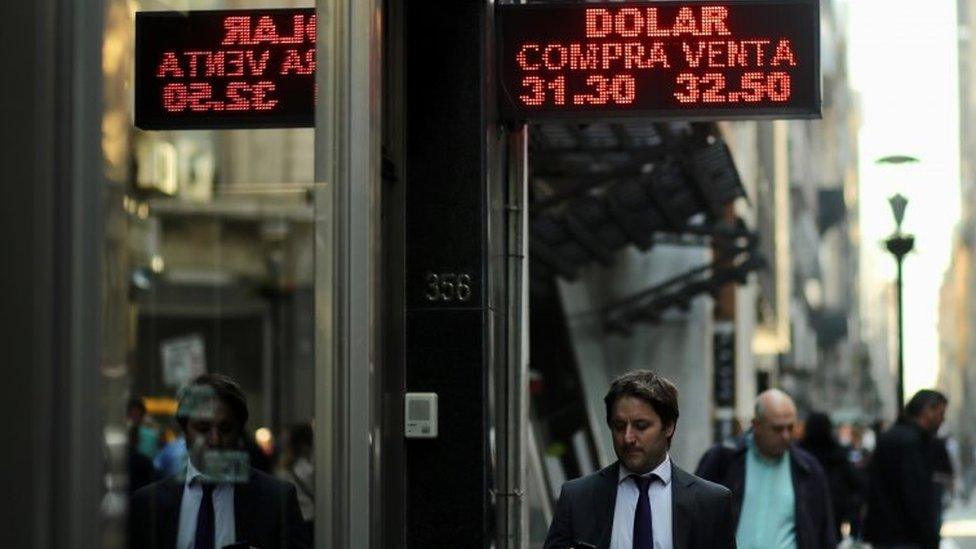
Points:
x=446, y=307
x=51, y=158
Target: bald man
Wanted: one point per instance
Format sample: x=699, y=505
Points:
x=780, y=495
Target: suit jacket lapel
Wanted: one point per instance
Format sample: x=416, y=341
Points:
x=243, y=512
x=170, y=500
x=682, y=506
x=605, y=500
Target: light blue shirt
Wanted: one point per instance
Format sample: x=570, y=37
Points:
x=171, y=460
x=768, y=518
x=659, y=493
x=223, y=496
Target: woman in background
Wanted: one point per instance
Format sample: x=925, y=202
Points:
x=296, y=467
x=818, y=439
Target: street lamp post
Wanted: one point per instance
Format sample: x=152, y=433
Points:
x=899, y=244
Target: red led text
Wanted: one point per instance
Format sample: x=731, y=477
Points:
x=242, y=73
x=664, y=57
x=248, y=30
x=752, y=87
x=634, y=22
x=234, y=96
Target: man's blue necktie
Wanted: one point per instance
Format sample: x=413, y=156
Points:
x=643, y=529
x=204, y=538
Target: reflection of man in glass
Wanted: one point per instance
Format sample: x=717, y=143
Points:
x=220, y=501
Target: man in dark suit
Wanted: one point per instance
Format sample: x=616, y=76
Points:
x=903, y=510
x=643, y=501
x=219, y=501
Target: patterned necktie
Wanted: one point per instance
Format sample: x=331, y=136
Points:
x=204, y=538
x=643, y=529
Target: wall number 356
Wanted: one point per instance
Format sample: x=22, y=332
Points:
x=448, y=287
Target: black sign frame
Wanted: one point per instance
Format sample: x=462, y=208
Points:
x=511, y=112
x=148, y=118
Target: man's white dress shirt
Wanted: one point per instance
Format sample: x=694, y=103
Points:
x=659, y=493
x=223, y=501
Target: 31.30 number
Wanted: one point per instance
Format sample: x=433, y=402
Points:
x=617, y=89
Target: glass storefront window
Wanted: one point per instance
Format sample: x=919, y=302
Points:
x=208, y=268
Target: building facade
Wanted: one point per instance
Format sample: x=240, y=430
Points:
x=407, y=242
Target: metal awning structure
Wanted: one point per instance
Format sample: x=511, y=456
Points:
x=596, y=188
x=739, y=258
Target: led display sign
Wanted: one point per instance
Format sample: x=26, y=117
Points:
x=225, y=69
x=661, y=60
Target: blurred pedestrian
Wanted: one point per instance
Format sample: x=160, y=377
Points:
x=780, y=493
x=859, y=451
x=171, y=458
x=859, y=455
x=967, y=466
x=845, y=485
x=642, y=501
x=260, y=460
x=296, y=467
x=143, y=435
x=139, y=466
x=902, y=507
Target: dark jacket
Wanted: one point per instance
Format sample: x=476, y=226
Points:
x=843, y=479
x=701, y=512
x=813, y=510
x=901, y=506
x=266, y=514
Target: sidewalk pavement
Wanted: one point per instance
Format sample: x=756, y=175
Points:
x=959, y=526
x=958, y=529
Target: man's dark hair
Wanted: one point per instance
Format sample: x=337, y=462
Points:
x=657, y=391
x=225, y=389
x=135, y=403
x=922, y=400
x=300, y=438
x=818, y=432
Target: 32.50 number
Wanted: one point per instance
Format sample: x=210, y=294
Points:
x=235, y=96
x=753, y=87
